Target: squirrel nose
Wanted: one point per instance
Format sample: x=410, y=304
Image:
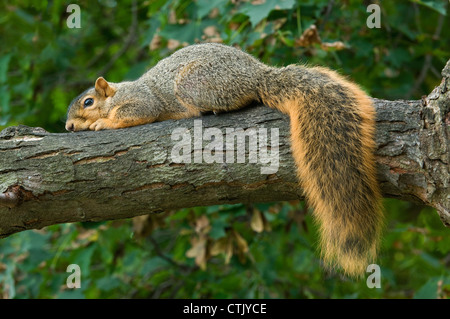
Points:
x=70, y=127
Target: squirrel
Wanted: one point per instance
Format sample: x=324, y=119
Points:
x=332, y=124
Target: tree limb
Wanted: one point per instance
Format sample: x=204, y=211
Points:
x=48, y=178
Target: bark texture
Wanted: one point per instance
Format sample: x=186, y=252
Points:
x=48, y=178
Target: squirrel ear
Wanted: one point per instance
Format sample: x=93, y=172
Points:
x=103, y=88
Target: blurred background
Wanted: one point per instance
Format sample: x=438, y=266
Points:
x=230, y=251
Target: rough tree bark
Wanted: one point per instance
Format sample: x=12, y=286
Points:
x=48, y=178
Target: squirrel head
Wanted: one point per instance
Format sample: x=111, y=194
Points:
x=91, y=105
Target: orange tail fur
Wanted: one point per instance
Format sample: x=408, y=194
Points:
x=332, y=136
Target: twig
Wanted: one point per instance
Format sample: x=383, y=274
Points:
x=326, y=15
x=428, y=59
x=422, y=75
x=161, y=254
x=128, y=41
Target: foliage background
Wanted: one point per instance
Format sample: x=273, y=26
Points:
x=236, y=251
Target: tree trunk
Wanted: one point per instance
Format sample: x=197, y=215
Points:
x=48, y=178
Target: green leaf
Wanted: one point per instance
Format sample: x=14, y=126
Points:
x=4, y=62
x=436, y=5
x=83, y=259
x=179, y=215
x=7, y=280
x=213, y=209
x=60, y=102
x=182, y=32
x=218, y=228
x=152, y=27
x=71, y=294
x=153, y=264
x=398, y=57
x=25, y=16
x=429, y=290
x=258, y=12
x=205, y=7
x=108, y=283
x=443, y=244
x=5, y=97
x=432, y=261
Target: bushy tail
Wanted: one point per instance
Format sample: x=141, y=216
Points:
x=332, y=136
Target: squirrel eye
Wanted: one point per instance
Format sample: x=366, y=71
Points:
x=88, y=102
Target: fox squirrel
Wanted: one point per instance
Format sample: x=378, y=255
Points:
x=332, y=130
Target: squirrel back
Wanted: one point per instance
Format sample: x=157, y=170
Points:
x=332, y=130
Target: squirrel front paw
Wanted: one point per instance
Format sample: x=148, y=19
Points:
x=102, y=124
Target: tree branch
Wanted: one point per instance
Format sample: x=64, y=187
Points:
x=48, y=178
